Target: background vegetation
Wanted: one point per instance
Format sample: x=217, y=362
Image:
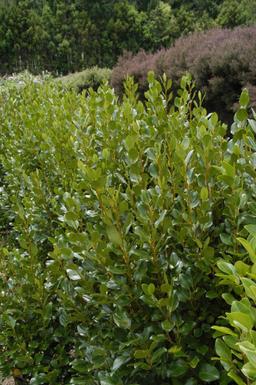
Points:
x=222, y=62
x=91, y=77
x=67, y=36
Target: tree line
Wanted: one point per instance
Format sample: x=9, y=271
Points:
x=64, y=36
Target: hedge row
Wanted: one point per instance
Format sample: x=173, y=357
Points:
x=221, y=61
x=113, y=216
x=91, y=77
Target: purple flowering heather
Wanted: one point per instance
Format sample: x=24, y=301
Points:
x=222, y=62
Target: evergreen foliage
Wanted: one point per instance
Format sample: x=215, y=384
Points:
x=236, y=342
x=113, y=216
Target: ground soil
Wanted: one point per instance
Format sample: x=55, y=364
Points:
x=9, y=381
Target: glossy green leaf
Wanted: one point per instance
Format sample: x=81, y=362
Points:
x=208, y=373
x=241, y=320
x=251, y=229
x=122, y=320
x=242, y=114
x=226, y=267
x=156, y=356
x=114, y=236
x=118, y=362
x=229, y=298
x=177, y=368
x=141, y=353
x=252, y=124
x=250, y=288
x=244, y=98
x=224, y=330
x=151, y=289
x=249, y=371
x=248, y=248
x=167, y=325
x=223, y=350
x=73, y=275
x=249, y=350
x=242, y=268
x=204, y=193
x=239, y=381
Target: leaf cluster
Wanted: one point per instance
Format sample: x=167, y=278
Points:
x=90, y=78
x=236, y=343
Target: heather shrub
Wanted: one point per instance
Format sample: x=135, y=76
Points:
x=91, y=77
x=137, y=66
x=222, y=62
x=115, y=216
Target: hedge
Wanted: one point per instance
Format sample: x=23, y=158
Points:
x=115, y=214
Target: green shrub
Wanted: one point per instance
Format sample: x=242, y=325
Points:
x=236, y=344
x=91, y=77
x=115, y=214
x=20, y=79
x=233, y=13
x=221, y=61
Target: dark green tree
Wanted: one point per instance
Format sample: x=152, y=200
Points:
x=65, y=36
